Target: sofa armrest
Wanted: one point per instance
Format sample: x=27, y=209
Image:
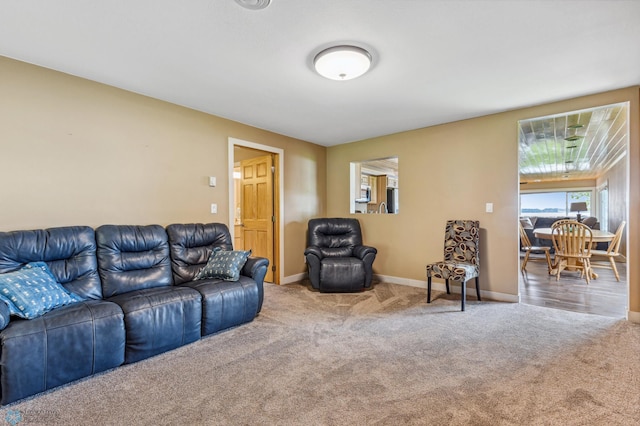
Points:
x=4, y=315
x=256, y=268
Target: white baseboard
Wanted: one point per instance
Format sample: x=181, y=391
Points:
x=294, y=278
x=491, y=295
x=500, y=297
x=633, y=316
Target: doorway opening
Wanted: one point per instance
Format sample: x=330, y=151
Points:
x=575, y=165
x=255, y=202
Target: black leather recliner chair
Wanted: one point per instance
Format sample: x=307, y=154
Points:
x=336, y=259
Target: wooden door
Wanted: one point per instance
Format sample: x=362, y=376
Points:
x=257, y=208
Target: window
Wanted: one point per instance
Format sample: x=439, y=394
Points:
x=603, y=212
x=554, y=204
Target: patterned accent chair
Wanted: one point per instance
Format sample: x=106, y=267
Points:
x=461, y=257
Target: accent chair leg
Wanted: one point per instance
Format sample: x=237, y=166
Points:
x=446, y=282
x=428, y=288
x=463, y=290
x=478, y=288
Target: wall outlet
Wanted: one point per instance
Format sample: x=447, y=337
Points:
x=214, y=208
x=489, y=208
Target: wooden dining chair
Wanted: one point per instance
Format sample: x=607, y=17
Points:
x=572, y=243
x=612, y=252
x=560, y=221
x=530, y=248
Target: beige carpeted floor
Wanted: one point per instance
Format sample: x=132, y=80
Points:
x=381, y=357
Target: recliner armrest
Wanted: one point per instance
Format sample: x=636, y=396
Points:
x=361, y=251
x=314, y=250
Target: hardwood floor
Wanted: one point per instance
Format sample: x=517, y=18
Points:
x=602, y=296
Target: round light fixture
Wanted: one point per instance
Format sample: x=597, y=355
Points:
x=342, y=62
x=254, y=4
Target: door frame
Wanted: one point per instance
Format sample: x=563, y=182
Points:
x=595, y=198
x=278, y=234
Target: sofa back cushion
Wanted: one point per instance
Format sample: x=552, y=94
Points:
x=132, y=257
x=546, y=222
x=191, y=245
x=70, y=254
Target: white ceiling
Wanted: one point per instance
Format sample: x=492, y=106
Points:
x=435, y=61
x=580, y=145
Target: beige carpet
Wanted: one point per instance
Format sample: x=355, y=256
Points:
x=381, y=357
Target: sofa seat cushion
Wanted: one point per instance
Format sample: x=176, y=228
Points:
x=60, y=346
x=159, y=319
x=226, y=304
x=341, y=274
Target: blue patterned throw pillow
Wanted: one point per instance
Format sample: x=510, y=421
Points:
x=224, y=264
x=33, y=291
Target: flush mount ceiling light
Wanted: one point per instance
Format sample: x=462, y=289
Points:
x=254, y=4
x=342, y=62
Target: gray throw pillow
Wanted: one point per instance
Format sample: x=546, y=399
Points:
x=224, y=264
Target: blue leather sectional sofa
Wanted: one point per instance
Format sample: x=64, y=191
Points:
x=140, y=299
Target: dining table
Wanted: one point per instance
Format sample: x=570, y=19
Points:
x=598, y=235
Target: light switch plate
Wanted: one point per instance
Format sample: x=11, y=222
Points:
x=489, y=208
x=214, y=208
x=212, y=181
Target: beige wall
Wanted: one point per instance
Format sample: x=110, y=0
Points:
x=451, y=171
x=75, y=152
x=78, y=152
